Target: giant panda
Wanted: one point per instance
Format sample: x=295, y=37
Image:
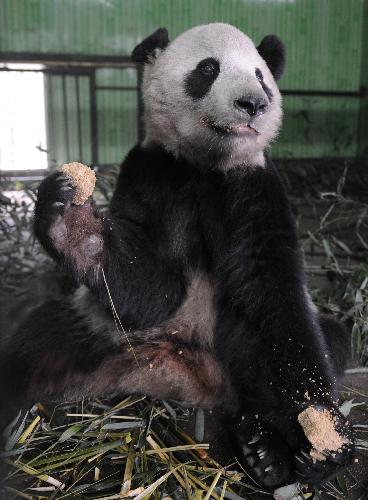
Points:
x=199, y=258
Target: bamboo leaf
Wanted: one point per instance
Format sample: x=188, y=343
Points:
x=71, y=431
x=148, y=491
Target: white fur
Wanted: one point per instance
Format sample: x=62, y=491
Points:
x=175, y=120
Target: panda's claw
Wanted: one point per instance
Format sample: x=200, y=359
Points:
x=62, y=177
x=306, y=455
x=254, y=439
x=297, y=457
x=55, y=195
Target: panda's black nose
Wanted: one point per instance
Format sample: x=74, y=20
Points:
x=254, y=106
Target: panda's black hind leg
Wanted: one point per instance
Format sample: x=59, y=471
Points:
x=262, y=452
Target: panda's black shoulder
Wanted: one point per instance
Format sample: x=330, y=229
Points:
x=151, y=174
x=155, y=163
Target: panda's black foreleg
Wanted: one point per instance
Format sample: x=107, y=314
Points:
x=268, y=334
x=115, y=256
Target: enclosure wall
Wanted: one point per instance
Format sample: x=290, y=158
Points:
x=324, y=38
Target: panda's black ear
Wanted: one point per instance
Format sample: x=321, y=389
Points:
x=273, y=51
x=148, y=48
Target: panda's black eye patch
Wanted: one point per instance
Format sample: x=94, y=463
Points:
x=199, y=81
x=259, y=75
x=267, y=90
x=208, y=67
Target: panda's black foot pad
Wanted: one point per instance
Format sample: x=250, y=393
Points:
x=263, y=454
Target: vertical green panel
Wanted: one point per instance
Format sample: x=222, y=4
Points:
x=55, y=122
x=85, y=108
x=363, y=118
x=56, y=130
x=317, y=127
x=117, y=113
x=71, y=97
x=117, y=125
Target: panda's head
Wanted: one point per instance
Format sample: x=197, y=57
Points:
x=211, y=95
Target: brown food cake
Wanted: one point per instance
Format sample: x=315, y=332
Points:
x=83, y=179
x=319, y=429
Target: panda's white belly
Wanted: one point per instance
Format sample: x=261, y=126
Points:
x=193, y=321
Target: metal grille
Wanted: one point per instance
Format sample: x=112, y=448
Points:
x=92, y=106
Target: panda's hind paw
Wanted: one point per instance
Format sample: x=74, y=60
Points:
x=263, y=454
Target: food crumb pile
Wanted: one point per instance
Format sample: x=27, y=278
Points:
x=319, y=429
x=83, y=179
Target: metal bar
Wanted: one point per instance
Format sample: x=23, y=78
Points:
x=59, y=71
x=65, y=113
x=108, y=87
x=90, y=60
x=24, y=174
x=94, y=118
x=20, y=70
x=361, y=93
x=363, y=111
x=49, y=98
x=79, y=120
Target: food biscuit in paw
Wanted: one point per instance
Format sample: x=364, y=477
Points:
x=319, y=427
x=83, y=179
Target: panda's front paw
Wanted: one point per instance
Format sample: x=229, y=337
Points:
x=54, y=197
x=262, y=452
x=330, y=444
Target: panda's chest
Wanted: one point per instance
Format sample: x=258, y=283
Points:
x=194, y=223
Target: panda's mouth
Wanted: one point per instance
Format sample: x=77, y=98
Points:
x=242, y=129
x=238, y=129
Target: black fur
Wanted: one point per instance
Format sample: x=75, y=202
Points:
x=146, y=49
x=169, y=219
x=273, y=51
x=199, y=81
